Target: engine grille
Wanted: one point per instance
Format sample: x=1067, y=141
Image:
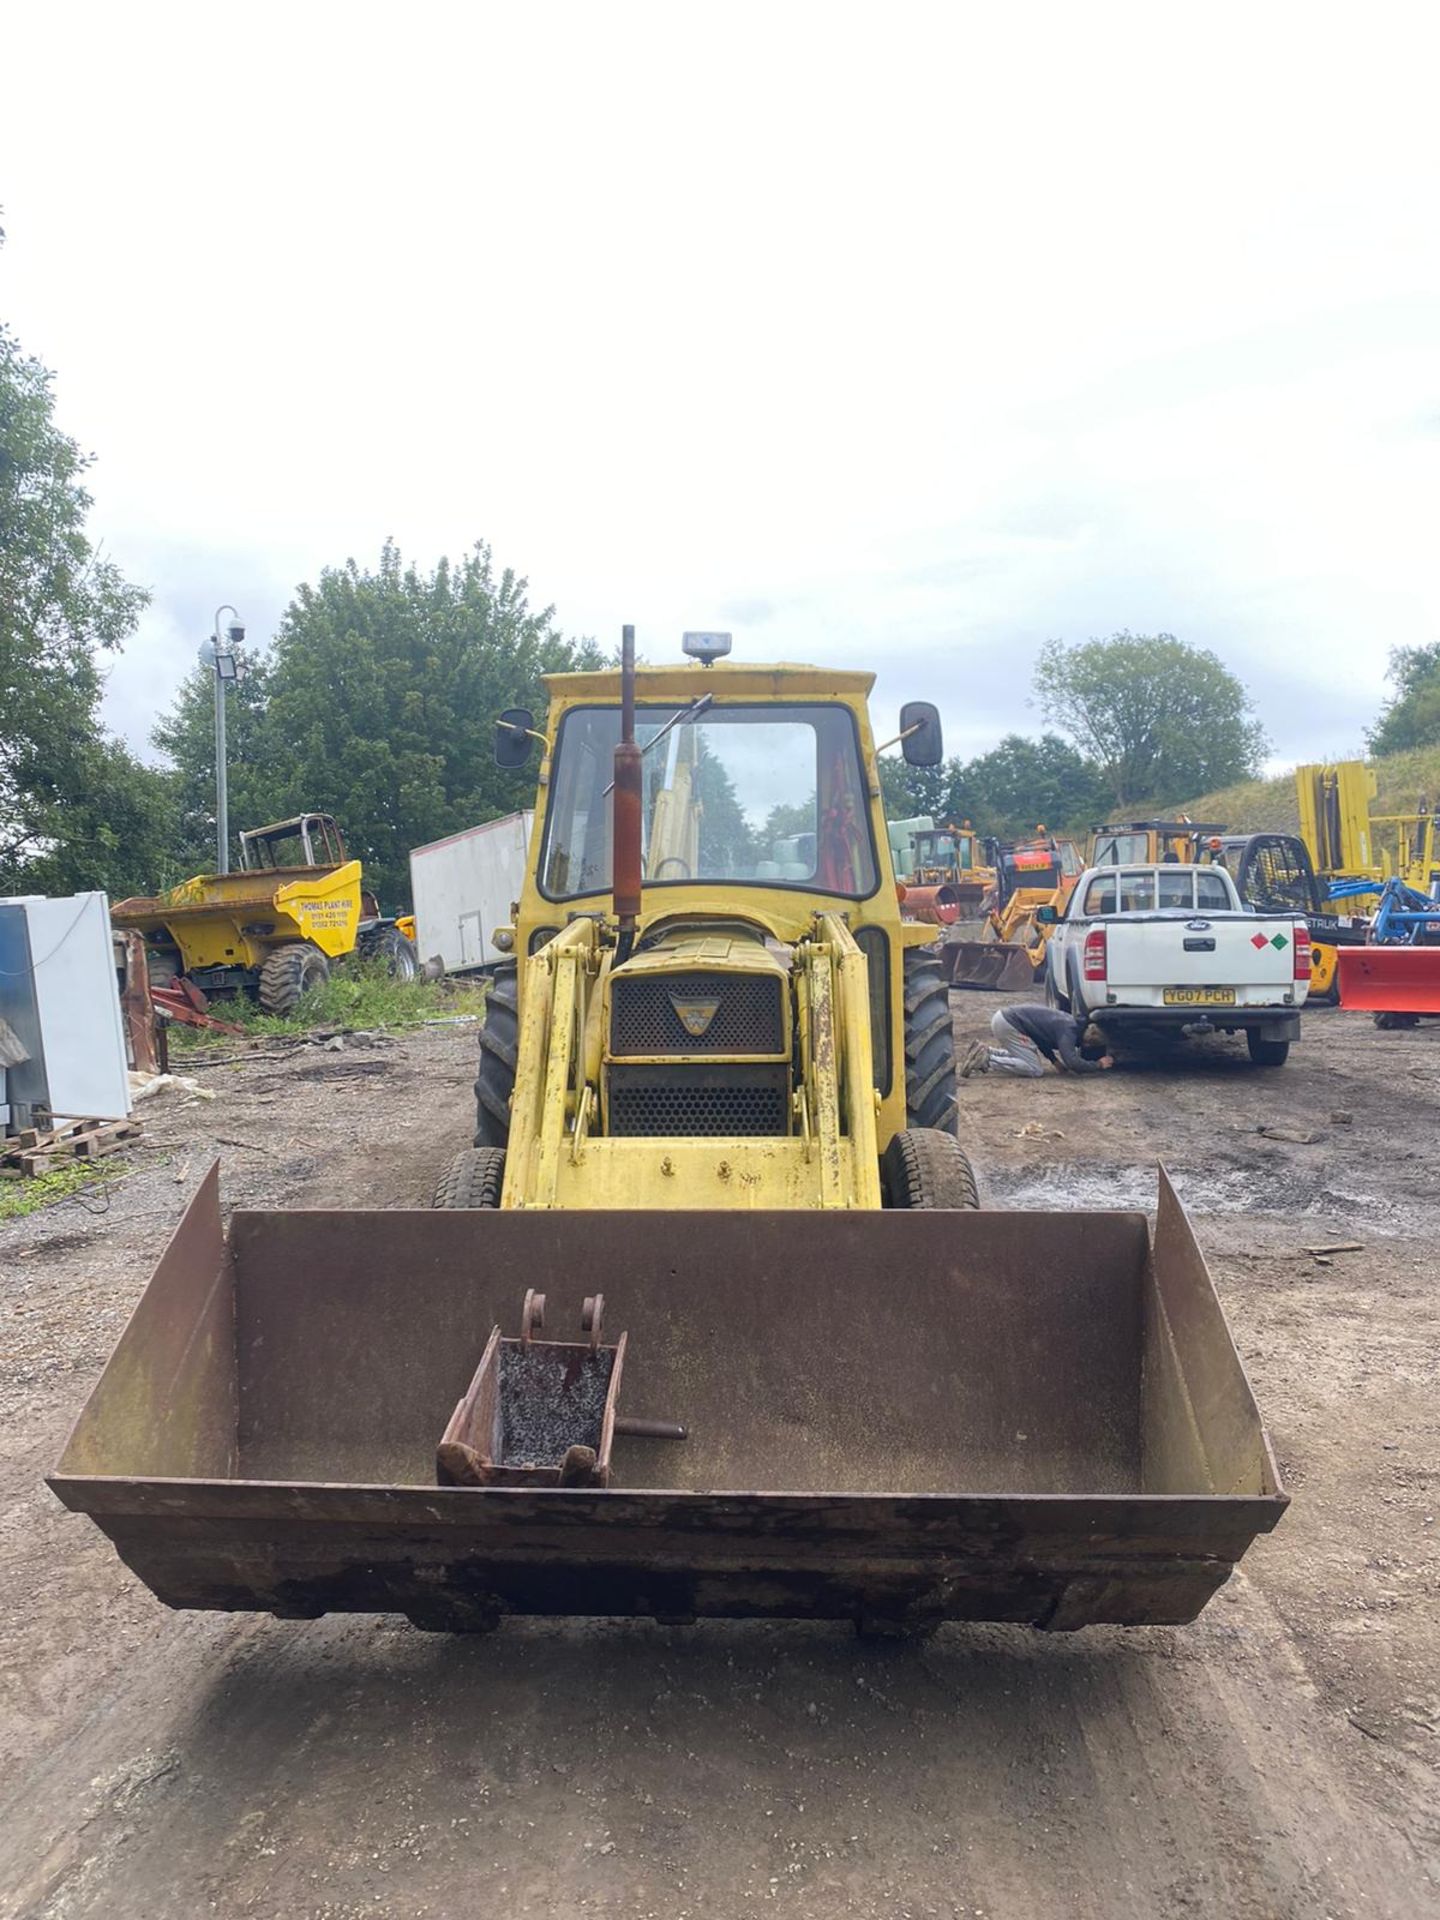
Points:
x=687, y=1101
x=750, y=1017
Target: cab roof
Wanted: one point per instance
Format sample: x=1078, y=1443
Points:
x=726, y=680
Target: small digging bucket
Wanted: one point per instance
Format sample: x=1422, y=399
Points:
x=897, y=1418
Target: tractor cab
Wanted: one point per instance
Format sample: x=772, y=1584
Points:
x=1149, y=843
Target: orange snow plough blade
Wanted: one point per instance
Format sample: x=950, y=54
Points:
x=1390, y=979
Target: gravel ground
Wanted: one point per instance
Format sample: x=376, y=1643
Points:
x=1278, y=1758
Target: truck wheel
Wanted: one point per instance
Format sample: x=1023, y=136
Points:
x=1053, y=997
x=474, y=1178
x=923, y=1167
x=1267, y=1053
x=499, y=1039
x=389, y=945
x=289, y=973
x=1393, y=1022
x=929, y=1042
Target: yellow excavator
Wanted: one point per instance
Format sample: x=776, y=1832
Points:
x=708, y=1322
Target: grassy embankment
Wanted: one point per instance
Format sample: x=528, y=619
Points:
x=1257, y=806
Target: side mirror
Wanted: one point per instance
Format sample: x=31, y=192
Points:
x=922, y=742
x=1046, y=917
x=513, y=731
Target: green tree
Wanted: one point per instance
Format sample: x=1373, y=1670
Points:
x=119, y=827
x=380, y=697
x=909, y=791
x=258, y=775
x=1412, y=716
x=1160, y=719
x=61, y=603
x=1024, y=783
x=786, y=819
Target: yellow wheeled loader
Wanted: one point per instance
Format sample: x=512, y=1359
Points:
x=708, y=1323
x=271, y=927
x=1007, y=953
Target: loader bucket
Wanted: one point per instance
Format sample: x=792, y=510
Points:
x=1390, y=979
x=895, y=1418
x=989, y=965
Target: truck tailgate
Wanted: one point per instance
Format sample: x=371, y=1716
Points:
x=1241, y=950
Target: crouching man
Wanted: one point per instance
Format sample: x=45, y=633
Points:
x=1026, y=1037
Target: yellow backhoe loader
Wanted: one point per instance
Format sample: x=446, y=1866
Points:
x=708, y=1322
x=1007, y=952
x=768, y=1014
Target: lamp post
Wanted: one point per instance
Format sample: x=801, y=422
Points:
x=220, y=654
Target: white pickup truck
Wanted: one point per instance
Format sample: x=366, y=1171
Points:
x=1145, y=951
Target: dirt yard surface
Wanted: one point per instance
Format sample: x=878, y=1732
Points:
x=1277, y=1760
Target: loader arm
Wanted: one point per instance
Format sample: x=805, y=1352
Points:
x=548, y=1080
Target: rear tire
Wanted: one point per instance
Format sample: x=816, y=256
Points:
x=925, y=1169
x=1267, y=1053
x=929, y=1042
x=289, y=973
x=389, y=945
x=499, y=1042
x=474, y=1178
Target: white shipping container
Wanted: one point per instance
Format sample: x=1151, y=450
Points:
x=463, y=888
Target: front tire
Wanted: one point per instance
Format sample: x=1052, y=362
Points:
x=925, y=1169
x=499, y=1044
x=1267, y=1053
x=289, y=973
x=930, y=1099
x=474, y=1178
x=1396, y=1022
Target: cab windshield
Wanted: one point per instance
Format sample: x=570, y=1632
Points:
x=761, y=795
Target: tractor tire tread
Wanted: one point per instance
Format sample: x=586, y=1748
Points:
x=499, y=1051
x=289, y=973
x=474, y=1178
x=925, y=1169
x=401, y=957
x=930, y=1085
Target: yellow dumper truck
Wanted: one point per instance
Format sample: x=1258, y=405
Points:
x=272, y=927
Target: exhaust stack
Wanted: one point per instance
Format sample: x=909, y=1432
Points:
x=625, y=819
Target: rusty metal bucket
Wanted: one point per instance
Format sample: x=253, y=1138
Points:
x=992, y=966
x=896, y=1418
x=1390, y=979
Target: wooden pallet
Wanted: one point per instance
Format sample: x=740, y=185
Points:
x=40, y=1149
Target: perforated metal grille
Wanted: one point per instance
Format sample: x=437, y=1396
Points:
x=748, y=1019
x=694, y=1102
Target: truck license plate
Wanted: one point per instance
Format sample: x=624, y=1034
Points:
x=1199, y=996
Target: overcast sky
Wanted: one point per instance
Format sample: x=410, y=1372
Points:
x=894, y=336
